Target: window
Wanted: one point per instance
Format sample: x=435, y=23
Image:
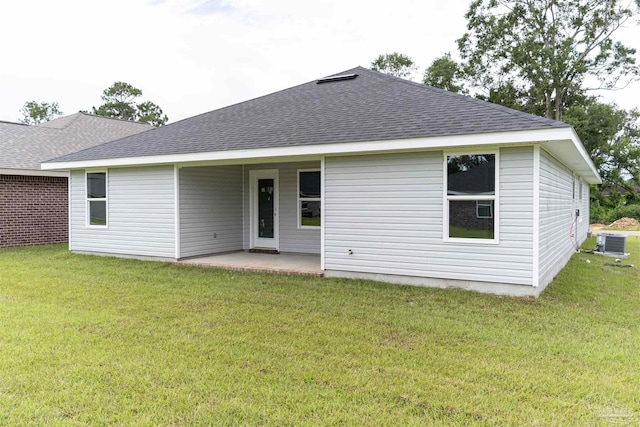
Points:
x=97, y=198
x=470, y=197
x=309, y=198
x=580, y=191
x=484, y=209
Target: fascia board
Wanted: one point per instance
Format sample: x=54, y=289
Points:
x=34, y=172
x=365, y=147
x=585, y=156
x=572, y=154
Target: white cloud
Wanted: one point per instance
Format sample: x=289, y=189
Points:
x=194, y=56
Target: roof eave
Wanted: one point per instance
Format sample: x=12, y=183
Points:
x=572, y=154
x=34, y=172
x=548, y=137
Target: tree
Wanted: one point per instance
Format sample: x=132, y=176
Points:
x=612, y=138
x=508, y=94
x=34, y=112
x=549, y=48
x=445, y=73
x=150, y=113
x=119, y=102
x=395, y=64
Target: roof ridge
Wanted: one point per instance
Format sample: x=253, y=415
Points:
x=258, y=97
x=469, y=99
x=171, y=125
x=151, y=128
x=26, y=146
x=59, y=118
x=73, y=118
x=372, y=107
x=83, y=113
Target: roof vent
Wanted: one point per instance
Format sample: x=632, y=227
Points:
x=337, y=78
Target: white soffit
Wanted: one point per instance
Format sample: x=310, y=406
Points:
x=572, y=153
x=561, y=142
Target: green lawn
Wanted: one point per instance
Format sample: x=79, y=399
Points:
x=88, y=340
x=469, y=233
x=310, y=221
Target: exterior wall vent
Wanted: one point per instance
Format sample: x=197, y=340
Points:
x=337, y=78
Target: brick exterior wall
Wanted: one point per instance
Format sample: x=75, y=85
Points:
x=33, y=210
x=465, y=215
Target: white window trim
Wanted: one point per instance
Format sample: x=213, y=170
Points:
x=105, y=199
x=308, y=199
x=446, y=198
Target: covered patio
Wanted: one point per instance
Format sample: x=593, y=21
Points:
x=282, y=263
x=224, y=209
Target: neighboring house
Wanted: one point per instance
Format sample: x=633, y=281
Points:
x=33, y=202
x=384, y=178
x=607, y=191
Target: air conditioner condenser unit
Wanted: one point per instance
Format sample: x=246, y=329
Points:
x=611, y=244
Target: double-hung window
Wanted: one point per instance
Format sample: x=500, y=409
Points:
x=470, y=197
x=97, y=198
x=309, y=198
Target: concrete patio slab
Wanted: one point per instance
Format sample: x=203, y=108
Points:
x=282, y=263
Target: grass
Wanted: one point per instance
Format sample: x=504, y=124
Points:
x=310, y=221
x=88, y=340
x=469, y=233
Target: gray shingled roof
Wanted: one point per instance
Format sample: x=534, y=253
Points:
x=25, y=147
x=373, y=106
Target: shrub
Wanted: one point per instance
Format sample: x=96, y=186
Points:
x=627, y=211
x=598, y=213
x=614, y=200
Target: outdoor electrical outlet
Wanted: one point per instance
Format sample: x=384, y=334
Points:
x=577, y=212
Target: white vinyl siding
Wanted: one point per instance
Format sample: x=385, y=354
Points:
x=292, y=238
x=210, y=210
x=140, y=212
x=557, y=214
x=388, y=210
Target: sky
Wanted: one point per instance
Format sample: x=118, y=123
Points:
x=194, y=56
